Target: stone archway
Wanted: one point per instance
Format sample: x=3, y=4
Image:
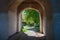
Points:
x=35, y=5
x=44, y=7
x=40, y=34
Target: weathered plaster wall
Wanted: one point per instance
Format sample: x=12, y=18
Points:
x=12, y=17
x=12, y=22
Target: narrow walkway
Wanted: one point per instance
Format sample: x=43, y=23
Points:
x=23, y=36
x=32, y=31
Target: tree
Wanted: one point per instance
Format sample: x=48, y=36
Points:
x=31, y=16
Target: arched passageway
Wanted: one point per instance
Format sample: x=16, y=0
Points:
x=44, y=8
x=30, y=22
x=35, y=5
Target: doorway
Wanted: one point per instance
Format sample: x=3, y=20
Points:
x=30, y=22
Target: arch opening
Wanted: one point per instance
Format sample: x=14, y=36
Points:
x=30, y=22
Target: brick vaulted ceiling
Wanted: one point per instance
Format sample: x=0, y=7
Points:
x=45, y=4
x=15, y=3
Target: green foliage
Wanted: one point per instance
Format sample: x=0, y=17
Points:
x=37, y=29
x=24, y=29
x=31, y=16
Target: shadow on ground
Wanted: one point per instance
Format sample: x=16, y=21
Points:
x=23, y=36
